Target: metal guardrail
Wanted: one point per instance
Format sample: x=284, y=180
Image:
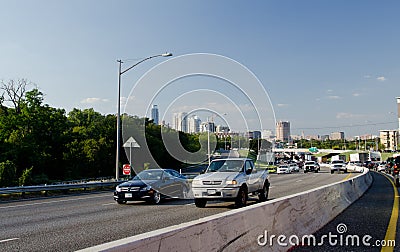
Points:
x=45, y=188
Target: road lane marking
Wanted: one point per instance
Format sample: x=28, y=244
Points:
x=348, y=176
x=7, y=240
x=107, y=204
x=391, y=229
x=54, y=201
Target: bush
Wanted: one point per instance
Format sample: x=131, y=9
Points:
x=26, y=177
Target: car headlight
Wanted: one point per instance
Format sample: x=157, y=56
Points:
x=118, y=189
x=196, y=182
x=147, y=188
x=231, y=182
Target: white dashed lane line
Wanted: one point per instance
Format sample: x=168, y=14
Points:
x=7, y=240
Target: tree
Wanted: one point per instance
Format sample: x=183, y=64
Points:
x=15, y=91
x=90, y=144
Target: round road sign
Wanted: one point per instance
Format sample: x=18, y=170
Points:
x=126, y=169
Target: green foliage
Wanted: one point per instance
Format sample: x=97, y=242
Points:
x=7, y=174
x=26, y=177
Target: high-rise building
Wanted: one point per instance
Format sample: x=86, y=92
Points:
x=194, y=124
x=180, y=121
x=207, y=126
x=337, y=135
x=154, y=114
x=222, y=129
x=283, y=131
x=389, y=139
x=267, y=134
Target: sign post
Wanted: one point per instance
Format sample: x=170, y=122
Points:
x=131, y=143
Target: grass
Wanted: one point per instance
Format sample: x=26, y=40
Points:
x=385, y=156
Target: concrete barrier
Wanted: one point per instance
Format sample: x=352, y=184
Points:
x=252, y=228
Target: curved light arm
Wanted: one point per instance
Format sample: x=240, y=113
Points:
x=154, y=56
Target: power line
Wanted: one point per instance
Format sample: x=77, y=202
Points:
x=346, y=126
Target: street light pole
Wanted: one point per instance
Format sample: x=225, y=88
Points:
x=120, y=72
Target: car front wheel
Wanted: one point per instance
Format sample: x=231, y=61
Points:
x=156, y=198
x=241, y=198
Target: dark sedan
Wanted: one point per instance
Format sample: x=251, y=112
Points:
x=152, y=185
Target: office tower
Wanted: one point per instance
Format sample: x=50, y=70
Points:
x=283, y=131
x=154, y=114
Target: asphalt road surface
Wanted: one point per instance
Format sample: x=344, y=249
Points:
x=69, y=223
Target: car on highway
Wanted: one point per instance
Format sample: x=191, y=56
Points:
x=311, y=166
x=230, y=179
x=382, y=167
x=338, y=166
x=355, y=166
x=396, y=170
x=152, y=185
x=294, y=167
x=283, y=169
x=272, y=169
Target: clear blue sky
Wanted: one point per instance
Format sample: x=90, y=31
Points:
x=323, y=63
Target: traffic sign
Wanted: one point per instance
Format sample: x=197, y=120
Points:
x=131, y=143
x=126, y=169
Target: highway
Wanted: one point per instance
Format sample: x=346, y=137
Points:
x=69, y=223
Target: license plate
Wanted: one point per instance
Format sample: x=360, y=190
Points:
x=211, y=191
x=128, y=195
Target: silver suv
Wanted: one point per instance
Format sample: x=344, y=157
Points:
x=230, y=179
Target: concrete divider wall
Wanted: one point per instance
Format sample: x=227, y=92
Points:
x=243, y=229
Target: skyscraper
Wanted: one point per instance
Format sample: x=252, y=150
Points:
x=194, y=124
x=180, y=121
x=154, y=114
x=337, y=135
x=283, y=131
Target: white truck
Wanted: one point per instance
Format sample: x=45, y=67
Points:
x=230, y=179
x=338, y=165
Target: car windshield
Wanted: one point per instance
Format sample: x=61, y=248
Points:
x=226, y=166
x=149, y=175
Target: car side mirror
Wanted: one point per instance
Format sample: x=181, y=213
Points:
x=248, y=171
